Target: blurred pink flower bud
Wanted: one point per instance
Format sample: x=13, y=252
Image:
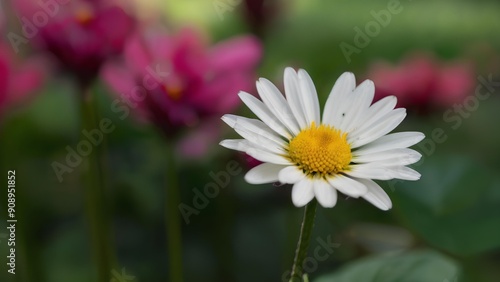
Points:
x=17, y=79
x=421, y=82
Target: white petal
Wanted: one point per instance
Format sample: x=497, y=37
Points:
x=291, y=175
x=386, y=125
x=292, y=92
x=325, y=193
x=267, y=157
x=255, y=126
x=302, y=192
x=272, y=97
x=393, y=157
x=309, y=98
x=261, y=110
x=391, y=141
x=348, y=186
x=352, y=104
x=258, y=138
x=399, y=161
x=230, y=119
x=362, y=98
x=370, y=171
x=405, y=173
x=374, y=113
x=235, y=144
x=244, y=145
x=344, y=85
x=376, y=195
x=259, y=141
x=263, y=173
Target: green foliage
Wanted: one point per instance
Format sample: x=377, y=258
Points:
x=416, y=266
x=455, y=206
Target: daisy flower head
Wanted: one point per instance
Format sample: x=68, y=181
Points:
x=345, y=149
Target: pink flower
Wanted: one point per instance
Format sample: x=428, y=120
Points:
x=17, y=80
x=81, y=34
x=194, y=82
x=421, y=82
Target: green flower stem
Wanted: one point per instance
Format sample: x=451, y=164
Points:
x=95, y=203
x=172, y=218
x=303, y=244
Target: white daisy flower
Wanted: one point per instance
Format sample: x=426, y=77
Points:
x=345, y=150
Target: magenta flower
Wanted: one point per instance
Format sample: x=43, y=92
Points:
x=17, y=80
x=81, y=34
x=421, y=82
x=183, y=81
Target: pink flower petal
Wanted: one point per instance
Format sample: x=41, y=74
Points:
x=119, y=78
x=242, y=53
x=25, y=81
x=420, y=81
x=136, y=53
x=455, y=83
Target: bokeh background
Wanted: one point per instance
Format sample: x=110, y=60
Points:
x=441, y=58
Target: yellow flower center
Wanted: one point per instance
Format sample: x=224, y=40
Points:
x=320, y=150
x=174, y=91
x=84, y=15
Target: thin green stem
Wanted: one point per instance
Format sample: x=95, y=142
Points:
x=95, y=202
x=303, y=244
x=172, y=218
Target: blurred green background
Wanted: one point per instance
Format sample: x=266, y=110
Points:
x=443, y=228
